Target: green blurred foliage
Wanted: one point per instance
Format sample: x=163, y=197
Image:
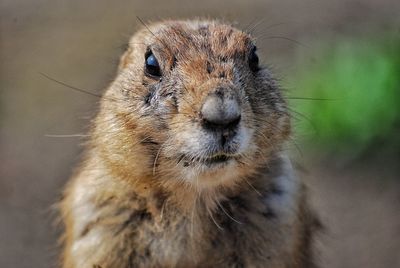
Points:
x=355, y=85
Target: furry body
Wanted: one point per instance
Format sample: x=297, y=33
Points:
x=158, y=188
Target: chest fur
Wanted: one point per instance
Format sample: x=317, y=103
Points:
x=240, y=231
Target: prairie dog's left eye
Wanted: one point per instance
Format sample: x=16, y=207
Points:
x=253, y=60
x=152, y=67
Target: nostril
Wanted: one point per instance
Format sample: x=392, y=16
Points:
x=234, y=122
x=221, y=123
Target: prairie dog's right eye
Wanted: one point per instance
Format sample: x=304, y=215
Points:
x=253, y=60
x=152, y=68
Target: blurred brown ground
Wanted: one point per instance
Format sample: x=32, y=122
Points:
x=79, y=42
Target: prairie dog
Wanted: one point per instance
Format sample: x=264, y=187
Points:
x=185, y=164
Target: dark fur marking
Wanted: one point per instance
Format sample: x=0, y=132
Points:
x=174, y=61
x=175, y=101
x=148, y=141
x=148, y=97
x=141, y=257
x=223, y=58
x=160, y=198
x=220, y=92
x=137, y=217
x=276, y=190
x=215, y=243
x=238, y=202
x=93, y=223
x=87, y=228
x=131, y=259
x=209, y=67
x=134, y=197
x=204, y=31
x=269, y=214
x=224, y=216
x=180, y=158
x=224, y=39
x=163, y=126
x=236, y=261
x=106, y=201
x=151, y=95
x=147, y=253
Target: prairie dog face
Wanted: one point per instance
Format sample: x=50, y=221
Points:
x=191, y=104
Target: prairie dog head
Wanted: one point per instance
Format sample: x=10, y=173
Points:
x=191, y=105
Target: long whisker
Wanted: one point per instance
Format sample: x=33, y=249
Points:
x=71, y=87
x=284, y=38
x=310, y=99
x=66, y=135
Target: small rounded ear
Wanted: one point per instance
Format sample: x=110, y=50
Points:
x=125, y=59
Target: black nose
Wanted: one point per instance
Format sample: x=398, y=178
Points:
x=220, y=111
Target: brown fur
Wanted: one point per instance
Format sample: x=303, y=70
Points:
x=141, y=198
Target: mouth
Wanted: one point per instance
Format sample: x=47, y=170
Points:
x=217, y=159
x=211, y=161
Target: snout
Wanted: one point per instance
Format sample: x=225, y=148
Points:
x=220, y=136
x=221, y=110
x=221, y=114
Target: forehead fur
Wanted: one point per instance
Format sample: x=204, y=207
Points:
x=180, y=38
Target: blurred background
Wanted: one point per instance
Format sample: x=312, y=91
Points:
x=338, y=62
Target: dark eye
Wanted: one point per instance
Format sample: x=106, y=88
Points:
x=152, y=67
x=253, y=60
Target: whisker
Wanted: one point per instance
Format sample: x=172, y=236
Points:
x=71, y=87
x=284, y=38
x=252, y=186
x=310, y=99
x=145, y=25
x=252, y=26
x=215, y=222
x=66, y=135
x=227, y=214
